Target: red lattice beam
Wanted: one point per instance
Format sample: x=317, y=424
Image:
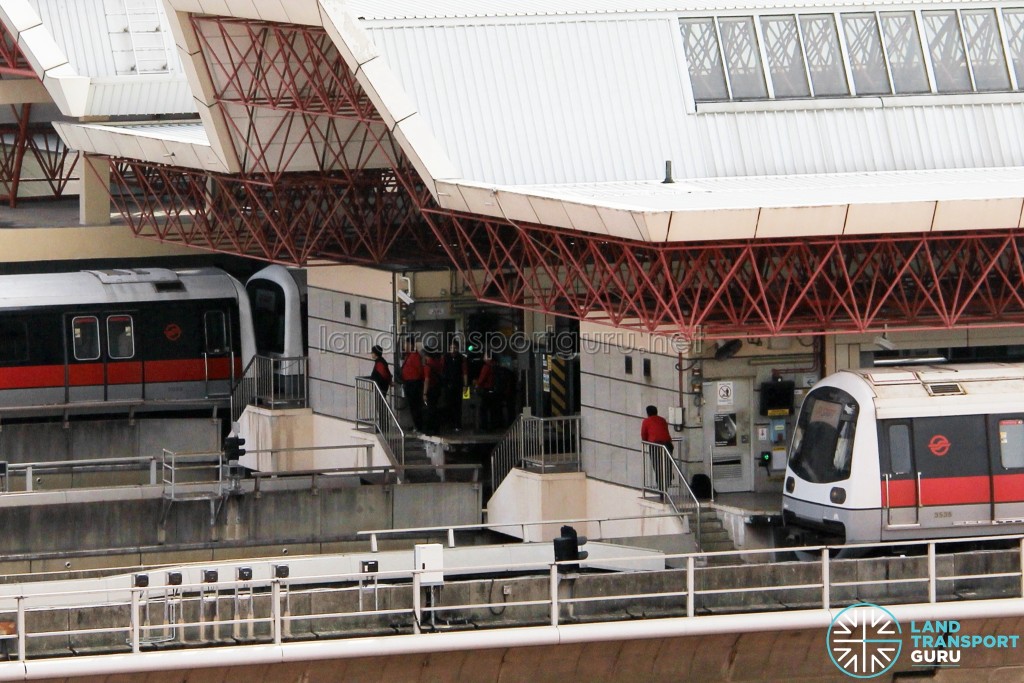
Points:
x=12, y=59
x=348, y=218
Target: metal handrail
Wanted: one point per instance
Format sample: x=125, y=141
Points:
x=539, y=441
x=658, y=456
x=86, y=465
x=278, y=617
x=173, y=464
x=374, y=411
x=272, y=382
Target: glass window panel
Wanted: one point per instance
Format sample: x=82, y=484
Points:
x=985, y=49
x=1011, y=443
x=899, y=449
x=120, y=336
x=824, y=55
x=785, y=61
x=13, y=341
x=1013, y=22
x=742, y=58
x=85, y=331
x=707, y=75
x=216, y=332
x=942, y=31
x=906, y=57
x=867, y=63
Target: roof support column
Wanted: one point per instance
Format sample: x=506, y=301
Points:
x=94, y=200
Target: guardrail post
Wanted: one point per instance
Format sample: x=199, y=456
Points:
x=275, y=609
x=22, y=636
x=690, y=595
x=932, y=579
x=553, y=586
x=135, y=621
x=825, y=580
x=451, y=537
x=152, y=471
x=417, y=607
x=28, y=479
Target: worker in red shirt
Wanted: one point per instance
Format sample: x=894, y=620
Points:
x=489, y=399
x=654, y=430
x=412, y=382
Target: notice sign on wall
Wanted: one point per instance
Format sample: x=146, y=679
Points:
x=725, y=394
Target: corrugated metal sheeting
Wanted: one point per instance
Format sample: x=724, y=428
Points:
x=605, y=98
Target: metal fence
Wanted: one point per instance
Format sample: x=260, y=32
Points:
x=273, y=383
x=541, y=443
x=263, y=604
x=10, y=472
x=374, y=413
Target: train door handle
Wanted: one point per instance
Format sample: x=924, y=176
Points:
x=918, y=490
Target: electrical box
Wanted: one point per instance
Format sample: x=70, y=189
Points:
x=429, y=561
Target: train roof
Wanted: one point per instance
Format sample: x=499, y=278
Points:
x=117, y=285
x=914, y=391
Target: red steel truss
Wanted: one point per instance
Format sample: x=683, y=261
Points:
x=46, y=148
x=351, y=209
x=12, y=59
x=297, y=218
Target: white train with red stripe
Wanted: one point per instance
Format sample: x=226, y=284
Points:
x=107, y=341
x=909, y=453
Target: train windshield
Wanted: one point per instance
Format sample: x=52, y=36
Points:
x=823, y=442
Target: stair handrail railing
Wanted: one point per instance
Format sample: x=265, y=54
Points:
x=373, y=411
x=544, y=441
x=673, y=487
x=273, y=382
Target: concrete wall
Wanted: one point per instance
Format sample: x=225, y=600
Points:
x=531, y=497
x=681, y=374
x=285, y=511
x=340, y=339
x=49, y=441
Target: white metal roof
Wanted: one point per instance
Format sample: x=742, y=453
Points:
x=565, y=113
x=99, y=58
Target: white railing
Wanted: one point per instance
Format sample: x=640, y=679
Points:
x=75, y=467
x=184, y=473
x=544, y=443
x=266, y=606
x=271, y=382
x=374, y=412
x=671, y=485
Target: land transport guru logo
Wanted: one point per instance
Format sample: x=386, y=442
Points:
x=865, y=641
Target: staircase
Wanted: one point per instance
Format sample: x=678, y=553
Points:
x=713, y=535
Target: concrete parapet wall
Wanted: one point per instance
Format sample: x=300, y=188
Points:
x=291, y=512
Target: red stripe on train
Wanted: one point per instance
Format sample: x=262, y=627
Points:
x=938, y=491
x=118, y=372
x=1008, y=488
x=34, y=377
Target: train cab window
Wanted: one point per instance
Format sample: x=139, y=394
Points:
x=120, y=337
x=13, y=342
x=216, y=329
x=823, y=443
x=899, y=449
x=1011, y=443
x=85, y=331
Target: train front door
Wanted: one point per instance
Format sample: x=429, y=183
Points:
x=727, y=434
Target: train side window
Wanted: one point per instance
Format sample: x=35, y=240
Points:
x=13, y=341
x=120, y=337
x=899, y=449
x=85, y=330
x=1011, y=443
x=216, y=327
